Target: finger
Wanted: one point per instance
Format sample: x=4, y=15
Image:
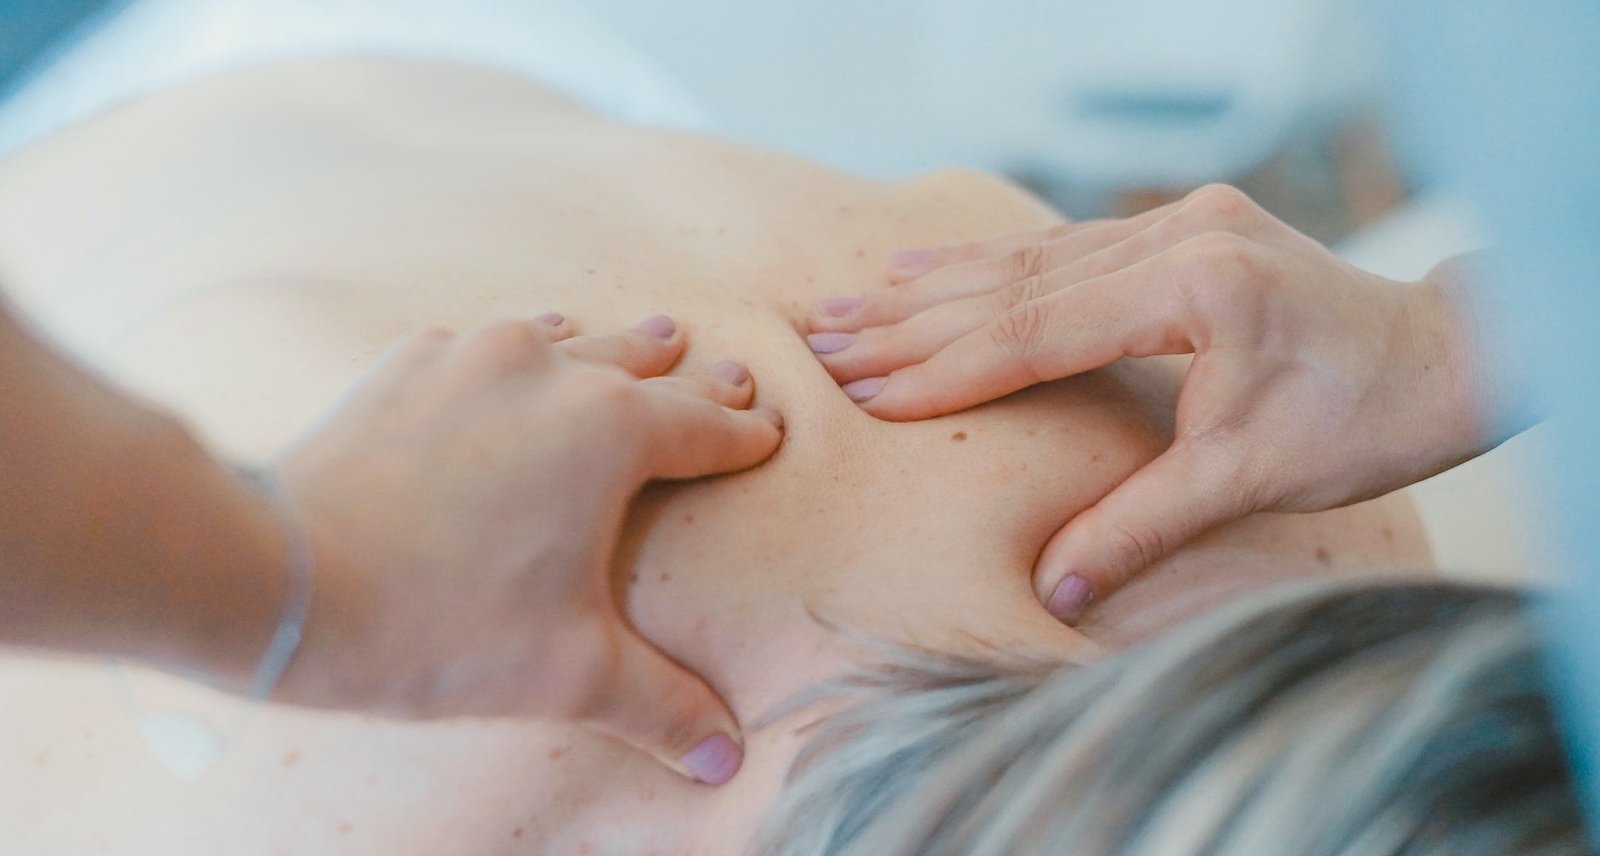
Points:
x=689, y=436
x=1187, y=490
x=648, y=350
x=504, y=346
x=669, y=712
x=1137, y=311
x=726, y=383
x=909, y=264
x=878, y=351
x=1225, y=203
x=519, y=334
x=986, y=275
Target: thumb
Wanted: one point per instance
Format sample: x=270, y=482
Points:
x=1163, y=505
x=669, y=712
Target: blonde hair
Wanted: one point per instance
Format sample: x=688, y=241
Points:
x=1377, y=719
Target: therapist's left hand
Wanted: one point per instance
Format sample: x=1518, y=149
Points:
x=1313, y=385
x=465, y=502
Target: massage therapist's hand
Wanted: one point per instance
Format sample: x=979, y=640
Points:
x=465, y=502
x=1313, y=384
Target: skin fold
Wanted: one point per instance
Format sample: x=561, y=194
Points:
x=242, y=249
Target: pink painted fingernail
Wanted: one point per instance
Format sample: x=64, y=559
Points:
x=715, y=760
x=554, y=319
x=911, y=262
x=829, y=343
x=838, y=307
x=731, y=372
x=861, y=390
x=659, y=326
x=1069, y=599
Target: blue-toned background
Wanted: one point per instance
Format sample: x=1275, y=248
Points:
x=28, y=27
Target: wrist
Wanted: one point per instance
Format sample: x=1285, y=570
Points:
x=233, y=573
x=1454, y=386
x=335, y=666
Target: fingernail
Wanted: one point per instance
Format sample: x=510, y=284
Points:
x=861, y=390
x=838, y=307
x=1070, y=597
x=715, y=760
x=829, y=343
x=731, y=372
x=554, y=319
x=911, y=262
x=659, y=326
x=770, y=415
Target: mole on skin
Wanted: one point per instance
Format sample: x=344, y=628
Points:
x=959, y=437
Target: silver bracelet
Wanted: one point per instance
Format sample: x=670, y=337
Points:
x=302, y=570
x=188, y=745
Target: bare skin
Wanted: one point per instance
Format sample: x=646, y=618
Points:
x=242, y=250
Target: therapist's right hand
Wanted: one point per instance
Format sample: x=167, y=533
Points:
x=465, y=502
x=1313, y=384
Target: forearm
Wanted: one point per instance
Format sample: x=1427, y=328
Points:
x=119, y=535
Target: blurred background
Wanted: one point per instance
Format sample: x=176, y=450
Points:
x=1102, y=108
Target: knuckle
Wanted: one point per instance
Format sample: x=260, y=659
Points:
x=1223, y=250
x=1026, y=262
x=1132, y=548
x=1226, y=271
x=1220, y=203
x=606, y=392
x=1020, y=293
x=1021, y=335
x=507, y=345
